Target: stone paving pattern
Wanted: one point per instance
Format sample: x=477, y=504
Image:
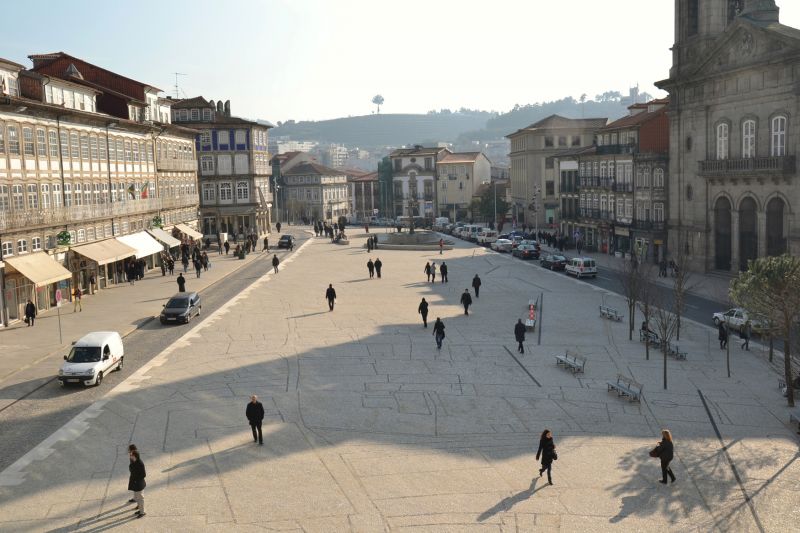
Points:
x=369, y=428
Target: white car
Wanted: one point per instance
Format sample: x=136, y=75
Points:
x=502, y=245
x=486, y=237
x=92, y=357
x=736, y=319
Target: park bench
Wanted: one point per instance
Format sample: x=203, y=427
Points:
x=626, y=387
x=610, y=313
x=675, y=351
x=649, y=337
x=571, y=361
x=784, y=389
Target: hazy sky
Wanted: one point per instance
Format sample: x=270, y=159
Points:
x=316, y=59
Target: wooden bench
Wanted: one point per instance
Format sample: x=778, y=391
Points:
x=571, y=361
x=675, y=351
x=649, y=337
x=626, y=387
x=610, y=313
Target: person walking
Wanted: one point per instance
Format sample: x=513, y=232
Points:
x=76, y=300
x=519, y=334
x=441, y=246
x=171, y=266
x=255, y=416
x=275, y=262
x=266, y=245
x=547, y=452
x=132, y=448
x=443, y=271
x=378, y=267
x=278, y=227
x=227, y=247
x=476, y=284
x=136, y=481
x=466, y=301
x=433, y=272
x=330, y=295
x=30, y=313
x=745, y=334
x=723, y=335
x=438, y=332
x=369, y=245
x=371, y=268
x=181, y=282
x=423, y=310
x=427, y=271
x=665, y=451
x=198, y=266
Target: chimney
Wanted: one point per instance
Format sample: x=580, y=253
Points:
x=219, y=107
x=227, y=108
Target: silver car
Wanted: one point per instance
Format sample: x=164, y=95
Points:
x=502, y=245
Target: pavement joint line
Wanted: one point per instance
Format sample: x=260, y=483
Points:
x=514, y=357
x=13, y=475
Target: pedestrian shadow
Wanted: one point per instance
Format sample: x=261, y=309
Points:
x=359, y=280
x=506, y=504
x=102, y=521
x=310, y=314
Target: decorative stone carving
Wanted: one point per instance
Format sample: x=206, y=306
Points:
x=747, y=44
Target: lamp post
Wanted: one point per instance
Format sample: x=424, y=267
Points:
x=495, y=206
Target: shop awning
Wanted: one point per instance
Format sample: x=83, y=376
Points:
x=164, y=237
x=40, y=268
x=189, y=231
x=143, y=243
x=104, y=252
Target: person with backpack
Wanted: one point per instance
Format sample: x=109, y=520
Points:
x=438, y=332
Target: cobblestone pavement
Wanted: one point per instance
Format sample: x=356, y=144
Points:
x=369, y=428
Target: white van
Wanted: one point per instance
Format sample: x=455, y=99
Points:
x=582, y=266
x=486, y=236
x=93, y=356
x=473, y=232
x=440, y=223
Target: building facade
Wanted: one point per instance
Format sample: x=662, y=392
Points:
x=82, y=169
x=733, y=133
x=414, y=180
x=235, y=171
x=459, y=176
x=532, y=164
x=315, y=192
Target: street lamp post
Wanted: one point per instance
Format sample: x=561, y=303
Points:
x=495, y=206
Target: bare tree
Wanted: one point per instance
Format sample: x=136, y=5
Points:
x=682, y=285
x=630, y=280
x=666, y=322
x=646, y=295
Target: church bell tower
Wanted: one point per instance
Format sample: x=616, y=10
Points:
x=697, y=24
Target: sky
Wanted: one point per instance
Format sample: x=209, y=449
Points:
x=319, y=59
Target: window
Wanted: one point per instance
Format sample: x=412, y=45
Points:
x=658, y=178
x=658, y=212
x=224, y=165
x=102, y=145
x=87, y=193
x=128, y=153
x=4, y=203
x=722, y=141
x=576, y=140
x=628, y=208
x=207, y=164
x=149, y=151
x=748, y=139
x=8, y=248
x=27, y=137
x=209, y=193
x=242, y=190
x=13, y=141
x=693, y=17
x=223, y=139
x=36, y=244
x=81, y=235
x=195, y=114
x=611, y=169
x=550, y=188
x=64, y=144
x=398, y=165
x=646, y=177
x=778, y=148
x=74, y=148
x=241, y=163
x=206, y=114
x=93, y=148
x=68, y=99
x=96, y=191
x=52, y=138
x=85, y=147
x=33, y=196
x=562, y=141
x=45, y=196
x=22, y=246
x=548, y=141
x=41, y=145
x=205, y=140
x=67, y=195
x=120, y=150
x=225, y=191
x=57, y=195
x=2, y=139
x=135, y=152
x=241, y=137
x=78, y=194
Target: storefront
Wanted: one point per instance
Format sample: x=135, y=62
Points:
x=622, y=236
x=101, y=258
x=35, y=276
x=147, y=248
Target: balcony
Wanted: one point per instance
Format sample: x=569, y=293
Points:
x=622, y=187
x=182, y=165
x=616, y=149
x=60, y=216
x=774, y=166
x=648, y=225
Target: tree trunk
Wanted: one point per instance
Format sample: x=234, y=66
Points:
x=678, y=330
x=631, y=321
x=664, y=350
x=787, y=367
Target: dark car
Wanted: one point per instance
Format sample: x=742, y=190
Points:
x=181, y=308
x=554, y=262
x=525, y=251
x=287, y=241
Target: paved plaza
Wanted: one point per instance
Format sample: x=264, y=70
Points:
x=369, y=428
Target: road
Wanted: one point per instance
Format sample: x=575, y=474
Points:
x=51, y=405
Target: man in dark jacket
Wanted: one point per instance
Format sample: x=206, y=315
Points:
x=136, y=481
x=519, y=334
x=330, y=295
x=275, y=262
x=466, y=301
x=443, y=271
x=30, y=313
x=255, y=416
x=427, y=271
x=438, y=332
x=371, y=268
x=723, y=335
x=423, y=310
x=378, y=266
x=476, y=284
x=181, y=283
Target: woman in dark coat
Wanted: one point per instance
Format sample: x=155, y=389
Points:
x=665, y=453
x=547, y=452
x=136, y=481
x=30, y=313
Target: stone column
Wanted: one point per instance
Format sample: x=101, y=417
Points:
x=734, y=240
x=761, y=232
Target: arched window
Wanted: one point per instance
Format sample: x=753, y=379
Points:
x=778, y=137
x=658, y=178
x=748, y=139
x=242, y=191
x=646, y=177
x=722, y=141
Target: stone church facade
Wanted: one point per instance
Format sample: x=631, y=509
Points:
x=734, y=133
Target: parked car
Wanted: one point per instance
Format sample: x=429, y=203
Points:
x=525, y=251
x=93, y=356
x=582, y=266
x=554, y=262
x=286, y=241
x=181, y=308
x=501, y=245
x=486, y=236
x=736, y=319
